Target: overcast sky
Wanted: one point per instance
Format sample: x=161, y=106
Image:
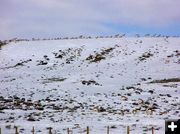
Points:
x=57, y=18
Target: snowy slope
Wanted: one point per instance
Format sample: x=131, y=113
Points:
x=90, y=82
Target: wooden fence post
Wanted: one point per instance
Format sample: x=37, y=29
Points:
x=68, y=131
x=87, y=130
x=0, y=130
x=152, y=130
x=16, y=130
x=50, y=130
x=33, y=130
x=108, y=130
x=128, y=130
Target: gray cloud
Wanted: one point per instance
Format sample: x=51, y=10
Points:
x=27, y=18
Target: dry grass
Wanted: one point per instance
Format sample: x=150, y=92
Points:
x=166, y=80
x=50, y=80
x=97, y=57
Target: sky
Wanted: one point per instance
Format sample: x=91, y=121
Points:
x=61, y=18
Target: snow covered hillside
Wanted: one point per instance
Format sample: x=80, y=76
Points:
x=76, y=83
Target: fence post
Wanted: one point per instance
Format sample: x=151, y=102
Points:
x=87, y=130
x=68, y=132
x=0, y=130
x=33, y=130
x=50, y=130
x=108, y=130
x=16, y=130
x=152, y=130
x=128, y=130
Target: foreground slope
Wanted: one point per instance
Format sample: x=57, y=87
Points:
x=94, y=82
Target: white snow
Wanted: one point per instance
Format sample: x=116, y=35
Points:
x=121, y=68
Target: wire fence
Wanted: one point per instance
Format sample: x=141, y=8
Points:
x=88, y=131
